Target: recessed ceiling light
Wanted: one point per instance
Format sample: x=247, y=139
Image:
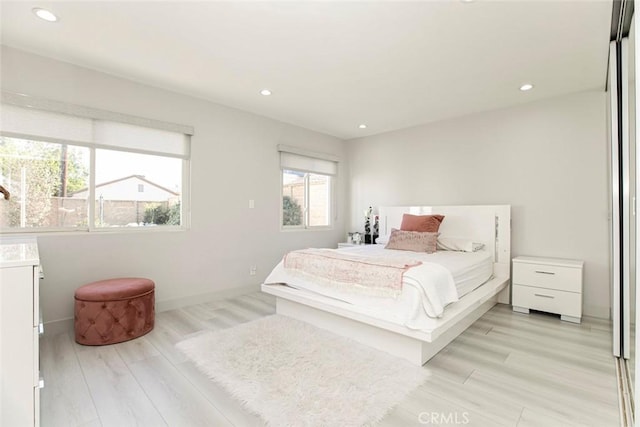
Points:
x=468, y=1
x=362, y=126
x=525, y=87
x=45, y=14
x=265, y=92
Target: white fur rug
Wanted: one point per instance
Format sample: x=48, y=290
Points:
x=294, y=374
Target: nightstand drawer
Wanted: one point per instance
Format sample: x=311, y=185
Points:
x=548, y=276
x=549, y=300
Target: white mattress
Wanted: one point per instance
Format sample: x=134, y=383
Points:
x=454, y=274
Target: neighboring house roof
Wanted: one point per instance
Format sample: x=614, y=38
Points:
x=140, y=177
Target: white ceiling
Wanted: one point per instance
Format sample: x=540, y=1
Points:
x=333, y=65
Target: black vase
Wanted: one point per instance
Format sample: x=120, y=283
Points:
x=367, y=227
x=376, y=227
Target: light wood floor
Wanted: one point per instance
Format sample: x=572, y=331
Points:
x=508, y=369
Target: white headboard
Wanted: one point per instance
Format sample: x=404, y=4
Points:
x=490, y=225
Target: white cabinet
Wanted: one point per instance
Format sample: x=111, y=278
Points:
x=548, y=284
x=19, y=333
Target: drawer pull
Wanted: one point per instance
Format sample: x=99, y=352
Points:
x=545, y=272
x=544, y=296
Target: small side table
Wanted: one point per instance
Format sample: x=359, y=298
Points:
x=553, y=285
x=346, y=245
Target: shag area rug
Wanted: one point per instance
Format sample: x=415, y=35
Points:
x=293, y=374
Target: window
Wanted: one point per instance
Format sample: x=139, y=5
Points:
x=134, y=189
x=42, y=178
x=307, y=200
x=85, y=172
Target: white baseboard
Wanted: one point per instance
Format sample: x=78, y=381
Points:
x=596, y=311
x=55, y=327
x=172, y=304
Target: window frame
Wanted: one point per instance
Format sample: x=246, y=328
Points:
x=305, y=226
x=28, y=102
x=305, y=161
x=91, y=198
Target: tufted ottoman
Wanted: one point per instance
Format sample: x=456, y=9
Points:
x=114, y=310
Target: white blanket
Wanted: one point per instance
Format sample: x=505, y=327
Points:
x=427, y=288
x=349, y=272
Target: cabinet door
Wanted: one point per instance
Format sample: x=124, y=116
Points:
x=548, y=276
x=35, y=281
x=16, y=352
x=549, y=300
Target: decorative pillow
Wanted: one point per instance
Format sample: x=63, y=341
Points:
x=429, y=223
x=456, y=244
x=412, y=241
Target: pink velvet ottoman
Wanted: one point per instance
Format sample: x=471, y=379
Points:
x=114, y=310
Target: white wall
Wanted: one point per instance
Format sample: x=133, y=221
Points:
x=548, y=160
x=226, y=236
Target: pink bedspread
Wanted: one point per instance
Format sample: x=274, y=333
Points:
x=363, y=275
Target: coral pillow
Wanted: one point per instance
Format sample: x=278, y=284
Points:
x=412, y=241
x=430, y=223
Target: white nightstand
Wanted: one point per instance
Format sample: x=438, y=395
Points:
x=346, y=245
x=548, y=284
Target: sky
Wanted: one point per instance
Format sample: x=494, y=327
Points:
x=164, y=171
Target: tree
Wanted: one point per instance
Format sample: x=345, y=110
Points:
x=291, y=211
x=77, y=172
x=162, y=214
x=39, y=163
x=174, y=214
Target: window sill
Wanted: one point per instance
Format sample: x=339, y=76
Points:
x=87, y=232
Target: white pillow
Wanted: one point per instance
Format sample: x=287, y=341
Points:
x=382, y=240
x=457, y=244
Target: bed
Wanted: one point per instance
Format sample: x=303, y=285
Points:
x=406, y=326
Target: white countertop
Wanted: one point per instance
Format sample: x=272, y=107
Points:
x=17, y=252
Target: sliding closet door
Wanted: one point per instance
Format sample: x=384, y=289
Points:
x=634, y=54
x=630, y=349
x=623, y=186
x=627, y=194
x=616, y=256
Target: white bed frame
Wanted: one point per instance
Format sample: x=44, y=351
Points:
x=490, y=225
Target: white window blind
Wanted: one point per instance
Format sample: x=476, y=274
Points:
x=93, y=132
x=40, y=137
x=123, y=135
x=296, y=159
x=45, y=125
